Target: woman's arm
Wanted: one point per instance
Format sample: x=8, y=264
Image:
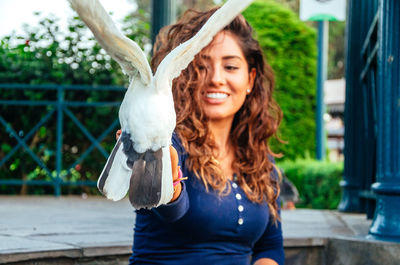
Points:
x=270, y=246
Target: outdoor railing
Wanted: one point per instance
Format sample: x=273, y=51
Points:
x=57, y=109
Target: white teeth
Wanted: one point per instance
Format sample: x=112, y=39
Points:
x=217, y=95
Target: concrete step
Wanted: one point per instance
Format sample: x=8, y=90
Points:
x=79, y=230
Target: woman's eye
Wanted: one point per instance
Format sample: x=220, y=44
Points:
x=203, y=67
x=231, y=67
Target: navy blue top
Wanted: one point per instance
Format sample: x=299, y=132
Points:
x=202, y=227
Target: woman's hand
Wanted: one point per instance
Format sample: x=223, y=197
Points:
x=118, y=134
x=174, y=166
x=175, y=173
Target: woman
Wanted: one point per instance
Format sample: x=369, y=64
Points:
x=226, y=212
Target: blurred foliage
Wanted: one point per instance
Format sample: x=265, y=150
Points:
x=290, y=48
x=316, y=181
x=292, y=4
x=46, y=55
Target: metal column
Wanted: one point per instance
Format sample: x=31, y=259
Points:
x=60, y=107
x=323, y=33
x=386, y=222
x=350, y=185
x=360, y=107
x=162, y=14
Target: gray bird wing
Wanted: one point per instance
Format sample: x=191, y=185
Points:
x=180, y=57
x=122, y=49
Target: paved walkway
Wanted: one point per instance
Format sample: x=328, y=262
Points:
x=43, y=227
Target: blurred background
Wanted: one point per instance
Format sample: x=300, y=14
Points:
x=51, y=68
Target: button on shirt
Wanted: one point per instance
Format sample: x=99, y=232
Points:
x=203, y=227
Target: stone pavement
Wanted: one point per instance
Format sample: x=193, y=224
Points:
x=45, y=227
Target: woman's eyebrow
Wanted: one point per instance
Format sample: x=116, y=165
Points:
x=226, y=57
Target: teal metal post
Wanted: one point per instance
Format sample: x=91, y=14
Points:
x=386, y=222
x=60, y=101
x=351, y=184
x=162, y=14
x=322, y=65
x=360, y=115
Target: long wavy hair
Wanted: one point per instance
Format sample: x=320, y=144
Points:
x=253, y=125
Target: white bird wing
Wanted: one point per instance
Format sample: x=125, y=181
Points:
x=122, y=49
x=180, y=57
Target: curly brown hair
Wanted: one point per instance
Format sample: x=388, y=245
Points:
x=253, y=125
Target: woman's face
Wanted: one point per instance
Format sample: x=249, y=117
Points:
x=229, y=78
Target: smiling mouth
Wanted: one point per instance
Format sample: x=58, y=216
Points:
x=217, y=95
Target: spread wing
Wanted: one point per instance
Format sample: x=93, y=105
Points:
x=180, y=57
x=122, y=49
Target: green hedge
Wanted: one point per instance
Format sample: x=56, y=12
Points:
x=316, y=181
x=290, y=48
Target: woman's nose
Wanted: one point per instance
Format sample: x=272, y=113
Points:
x=217, y=76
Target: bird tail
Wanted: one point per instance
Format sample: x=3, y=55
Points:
x=147, y=176
x=151, y=180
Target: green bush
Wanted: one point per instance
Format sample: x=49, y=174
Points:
x=316, y=181
x=290, y=48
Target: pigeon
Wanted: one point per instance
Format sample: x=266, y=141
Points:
x=140, y=160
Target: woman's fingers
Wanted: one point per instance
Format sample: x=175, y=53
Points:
x=175, y=173
x=174, y=162
x=118, y=134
